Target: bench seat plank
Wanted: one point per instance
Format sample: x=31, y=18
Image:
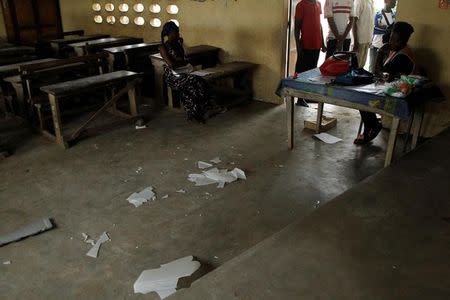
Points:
x=76, y=86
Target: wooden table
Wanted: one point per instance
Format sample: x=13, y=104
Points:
x=57, y=92
x=95, y=46
x=61, y=46
x=289, y=93
x=120, y=57
x=17, y=51
x=202, y=55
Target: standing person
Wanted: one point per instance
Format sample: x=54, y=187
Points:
x=363, y=29
x=383, y=19
x=340, y=15
x=308, y=35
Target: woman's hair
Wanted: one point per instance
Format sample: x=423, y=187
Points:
x=167, y=29
x=404, y=31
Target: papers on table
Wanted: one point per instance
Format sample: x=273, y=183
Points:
x=322, y=79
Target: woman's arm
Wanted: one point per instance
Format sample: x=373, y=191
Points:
x=165, y=55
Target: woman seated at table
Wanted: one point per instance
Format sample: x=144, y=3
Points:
x=193, y=90
x=399, y=61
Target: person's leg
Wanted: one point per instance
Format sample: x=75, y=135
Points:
x=347, y=43
x=371, y=127
x=313, y=59
x=362, y=54
x=309, y=60
x=331, y=47
x=373, y=59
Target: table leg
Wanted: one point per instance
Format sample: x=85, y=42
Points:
x=392, y=141
x=319, y=117
x=132, y=98
x=419, y=113
x=290, y=120
x=56, y=115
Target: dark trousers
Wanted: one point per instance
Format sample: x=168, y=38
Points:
x=307, y=60
x=369, y=119
x=332, y=45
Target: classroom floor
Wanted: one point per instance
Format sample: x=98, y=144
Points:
x=84, y=190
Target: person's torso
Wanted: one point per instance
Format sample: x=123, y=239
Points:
x=311, y=27
x=175, y=51
x=342, y=9
x=366, y=21
x=383, y=21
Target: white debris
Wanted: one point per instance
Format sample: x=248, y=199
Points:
x=8, y=262
x=101, y=240
x=216, y=160
x=141, y=127
x=165, y=196
x=181, y=191
x=327, y=138
x=139, y=170
x=164, y=280
x=87, y=240
x=31, y=229
x=203, y=165
x=216, y=176
x=137, y=199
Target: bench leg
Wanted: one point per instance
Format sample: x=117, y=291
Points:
x=319, y=116
x=290, y=120
x=392, y=141
x=170, y=97
x=133, y=100
x=419, y=114
x=56, y=115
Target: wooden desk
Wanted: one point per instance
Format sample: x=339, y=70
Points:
x=61, y=47
x=76, y=87
x=17, y=51
x=122, y=57
x=95, y=46
x=346, y=97
x=203, y=55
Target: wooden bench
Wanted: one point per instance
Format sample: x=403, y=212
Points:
x=33, y=76
x=96, y=46
x=239, y=72
x=202, y=56
x=57, y=92
x=62, y=49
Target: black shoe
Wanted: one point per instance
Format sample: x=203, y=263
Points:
x=301, y=102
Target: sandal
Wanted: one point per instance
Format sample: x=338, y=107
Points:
x=368, y=136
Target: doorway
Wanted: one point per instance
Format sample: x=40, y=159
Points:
x=291, y=55
x=30, y=21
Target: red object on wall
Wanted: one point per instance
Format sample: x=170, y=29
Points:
x=444, y=4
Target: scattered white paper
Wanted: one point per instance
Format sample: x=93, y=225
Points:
x=137, y=199
x=87, y=240
x=141, y=127
x=8, y=262
x=139, y=170
x=26, y=231
x=216, y=176
x=165, y=197
x=181, y=191
x=216, y=160
x=101, y=240
x=322, y=79
x=164, y=280
x=203, y=165
x=327, y=138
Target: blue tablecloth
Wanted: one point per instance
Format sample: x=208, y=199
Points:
x=368, y=97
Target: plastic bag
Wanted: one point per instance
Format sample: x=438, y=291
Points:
x=404, y=86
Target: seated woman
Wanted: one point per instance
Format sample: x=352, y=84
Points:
x=398, y=61
x=193, y=90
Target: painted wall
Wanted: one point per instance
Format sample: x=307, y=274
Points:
x=251, y=30
x=431, y=43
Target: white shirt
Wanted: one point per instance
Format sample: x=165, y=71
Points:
x=365, y=12
x=378, y=38
x=340, y=11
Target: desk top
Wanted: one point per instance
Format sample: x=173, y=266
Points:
x=75, y=86
x=8, y=70
x=16, y=51
x=200, y=49
x=363, y=95
x=79, y=39
x=103, y=41
x=124, y=48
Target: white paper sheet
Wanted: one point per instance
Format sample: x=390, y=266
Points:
x=322, y=79
x=216, y=160
x=26, y=231
x=203, y=165
x=138, y=199
x=327, y=138
x=216, y=176
x=164, y=280
x=96, y=248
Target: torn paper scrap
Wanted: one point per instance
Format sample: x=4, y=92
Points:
x=164, y=280
x=165, y=196
x=87, y=240
x=137, y=199
x=101, y=240
x=327, y=138
x=26, y=231
x=8, y=262
x=181, y=192
x=216, y=176
x=203, y=165
x=216, y=160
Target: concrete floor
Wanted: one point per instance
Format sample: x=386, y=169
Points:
x=84, y=190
